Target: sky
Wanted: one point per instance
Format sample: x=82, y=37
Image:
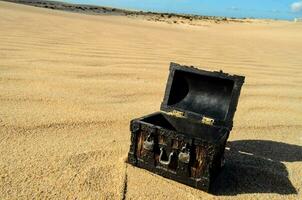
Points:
x=273, y=9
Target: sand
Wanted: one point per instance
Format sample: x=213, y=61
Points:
x=70, y=83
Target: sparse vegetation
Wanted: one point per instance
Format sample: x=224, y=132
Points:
x=151, y=16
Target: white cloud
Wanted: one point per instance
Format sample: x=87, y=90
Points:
x=297, y=6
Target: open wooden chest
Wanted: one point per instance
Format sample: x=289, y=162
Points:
x=185, y=140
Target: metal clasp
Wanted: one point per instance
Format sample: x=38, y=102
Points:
x=184, y=155
x=148, y=143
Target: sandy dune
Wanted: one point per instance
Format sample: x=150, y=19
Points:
x=71, y=82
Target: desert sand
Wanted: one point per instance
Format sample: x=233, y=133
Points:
x=70, y=83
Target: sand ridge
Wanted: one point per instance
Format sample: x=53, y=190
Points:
x=70, y=83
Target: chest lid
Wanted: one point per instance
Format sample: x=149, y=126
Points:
x=205, y=96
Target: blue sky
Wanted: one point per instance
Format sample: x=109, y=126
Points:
x=276, y=9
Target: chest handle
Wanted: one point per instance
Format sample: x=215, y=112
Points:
x=165, y=162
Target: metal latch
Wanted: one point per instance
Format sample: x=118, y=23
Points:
x=207, y=121
x=148, y=143
x=184, y=155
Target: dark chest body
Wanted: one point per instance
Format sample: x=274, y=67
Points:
x=185, y=141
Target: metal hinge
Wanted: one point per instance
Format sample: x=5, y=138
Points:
x=207, y=121
x=179, y=114
x=176, y=113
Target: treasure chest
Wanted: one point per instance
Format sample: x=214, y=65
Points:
x=185, y=140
